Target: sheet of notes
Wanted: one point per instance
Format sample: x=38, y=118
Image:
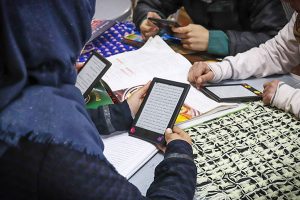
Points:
x=159, y=107
x=89, y=73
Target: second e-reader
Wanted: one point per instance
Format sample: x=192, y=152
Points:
x=232, y=92
x=159, y=110
x=91, y=73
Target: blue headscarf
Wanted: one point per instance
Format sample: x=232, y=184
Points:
x=40, y=41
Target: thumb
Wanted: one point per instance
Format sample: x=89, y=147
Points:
x=142, y=91
x=204, y=78
x=208, y=76
x=153, y=14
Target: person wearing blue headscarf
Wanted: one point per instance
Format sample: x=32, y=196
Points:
x=49, y=146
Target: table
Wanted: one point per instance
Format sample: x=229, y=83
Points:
x=109, y=44
x=144, y=176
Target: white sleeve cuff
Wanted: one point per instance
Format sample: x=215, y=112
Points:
x=287, y=99
x=222, y=70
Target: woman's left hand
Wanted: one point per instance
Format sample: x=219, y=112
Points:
x=136, y=99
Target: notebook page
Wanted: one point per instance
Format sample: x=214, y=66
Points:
x=127, y=154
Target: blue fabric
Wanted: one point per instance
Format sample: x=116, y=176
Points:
x=37, y=171
x=38, y=98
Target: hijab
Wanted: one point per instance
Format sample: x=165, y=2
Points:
x=40, y=41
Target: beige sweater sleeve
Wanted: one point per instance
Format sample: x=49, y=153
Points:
x=287, y=98
x=276, y=56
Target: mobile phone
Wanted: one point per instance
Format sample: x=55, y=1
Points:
x=159, y=110
x=164, y=23
x=91, y=72
x=133, y=39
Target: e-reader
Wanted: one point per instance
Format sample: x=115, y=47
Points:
x=159, y=110
x=232, y=92
x=91, y=72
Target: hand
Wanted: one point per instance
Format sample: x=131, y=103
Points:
x=193, y=36
x=136, y=99
x=269, y=91
x=176, y=134
x=79, y=65
x=199, y=74
x=147, y=28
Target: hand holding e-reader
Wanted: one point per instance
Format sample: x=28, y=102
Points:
x=159, y=110
x=91, y=72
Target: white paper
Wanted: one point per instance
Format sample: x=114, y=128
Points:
x=156, y=59
x=127, y=154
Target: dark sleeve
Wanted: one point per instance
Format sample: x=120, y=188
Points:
x=111, y=118
x=175, y=176
x=265, y=18
x=163, y=8
x=67, y=174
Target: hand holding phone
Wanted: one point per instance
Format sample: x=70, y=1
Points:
x=163, y=23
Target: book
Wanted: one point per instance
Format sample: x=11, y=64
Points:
x=98, y=97
x=132, y=69
x=127, y=154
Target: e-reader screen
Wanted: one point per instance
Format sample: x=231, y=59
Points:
x=91, y=72
x=160, y=109
x=232, y=92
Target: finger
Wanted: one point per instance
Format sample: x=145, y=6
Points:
x=148, y=28
x=186, y=41
x=79, y=65
x=196, y=71
x=267, y=99
x=187, y=46
x=161, y=147
x=191, y=73
x=145, y=88
x=153, y=14
x=207, y=77
x=168, y=132
x=149, y=34
x=182, y=30
x=178, y=130
x=180, y=35
x=266, y=84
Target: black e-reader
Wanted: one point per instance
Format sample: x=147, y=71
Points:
x=232, y=92
x=91, y=72
x=159, y=110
